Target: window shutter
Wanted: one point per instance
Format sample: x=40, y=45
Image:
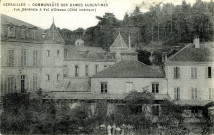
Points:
x=14, y=59
x=192, y=72
x=105, y=87
x=178, y=72
x=178, y=92
x=206, y=72
x=196, y=93
x=175, y=93
x=192, y=92
x=174, y=72
x=38, y=82
x=212, y=72
x=210, y=92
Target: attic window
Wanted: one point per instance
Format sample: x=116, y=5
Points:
x=22, y=33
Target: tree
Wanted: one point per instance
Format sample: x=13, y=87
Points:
x=167, y=117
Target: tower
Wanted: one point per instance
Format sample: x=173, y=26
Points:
x=52, y=59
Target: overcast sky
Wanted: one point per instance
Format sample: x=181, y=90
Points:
x=76, y=19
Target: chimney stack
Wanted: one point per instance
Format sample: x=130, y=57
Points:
x=196, y=42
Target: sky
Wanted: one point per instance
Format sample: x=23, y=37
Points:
x=75, y=19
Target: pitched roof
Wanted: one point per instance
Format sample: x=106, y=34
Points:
x=191, y=54
x=130, y=69
x=12, y=21
x=53, y=35
x=16, y=34
x=119, y=42
x=93, y=53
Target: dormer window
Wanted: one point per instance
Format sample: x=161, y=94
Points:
x=9, y=32
x=22, y=34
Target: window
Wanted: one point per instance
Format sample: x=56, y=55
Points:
x=129, y=86
x=86, y=70
x=103, y=87
x=48, y=53
x=10, y=58
x=155, y=110
x=11, y=84
x=96, y=68
x=211, y=93
x=194, y=93
x=177, y=93
x=35, y=82
x=57, y=53
x=48, y=77
x=209, y=72
x=23, y=58
x=155, y=87
x=65, y=71
x=176, y=72
x=57, y=78
x=35, y=58
x=193, y=72
x=76, y=70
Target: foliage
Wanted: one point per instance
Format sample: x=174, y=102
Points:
x=24, y=115
x=170, y=114
x=170, y=24
x=208, y=127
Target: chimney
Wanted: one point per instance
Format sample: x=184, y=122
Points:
x=196, y=42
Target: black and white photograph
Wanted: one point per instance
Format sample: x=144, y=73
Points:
x=107, y=67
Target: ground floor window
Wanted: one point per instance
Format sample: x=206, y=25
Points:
x=211, y=93
x=177, y=93
x=11, y=82
x=35, y=82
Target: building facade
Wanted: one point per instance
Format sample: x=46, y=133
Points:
x=33, y=58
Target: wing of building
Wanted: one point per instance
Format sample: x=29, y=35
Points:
x=190, y=74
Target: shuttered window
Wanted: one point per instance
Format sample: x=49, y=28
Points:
x=176, y=72
x=10, y=58
x=35, y=58
x=11, y=84
x=35, y=82
x=177, y=93
x=193, y=72
x=194, y=92
x=23, y=57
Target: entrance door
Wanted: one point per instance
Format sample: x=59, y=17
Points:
x=22, y=83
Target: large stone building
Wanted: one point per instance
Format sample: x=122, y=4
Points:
x=33, y=58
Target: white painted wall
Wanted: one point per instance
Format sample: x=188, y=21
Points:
x=118, y=85
x=202, y=83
